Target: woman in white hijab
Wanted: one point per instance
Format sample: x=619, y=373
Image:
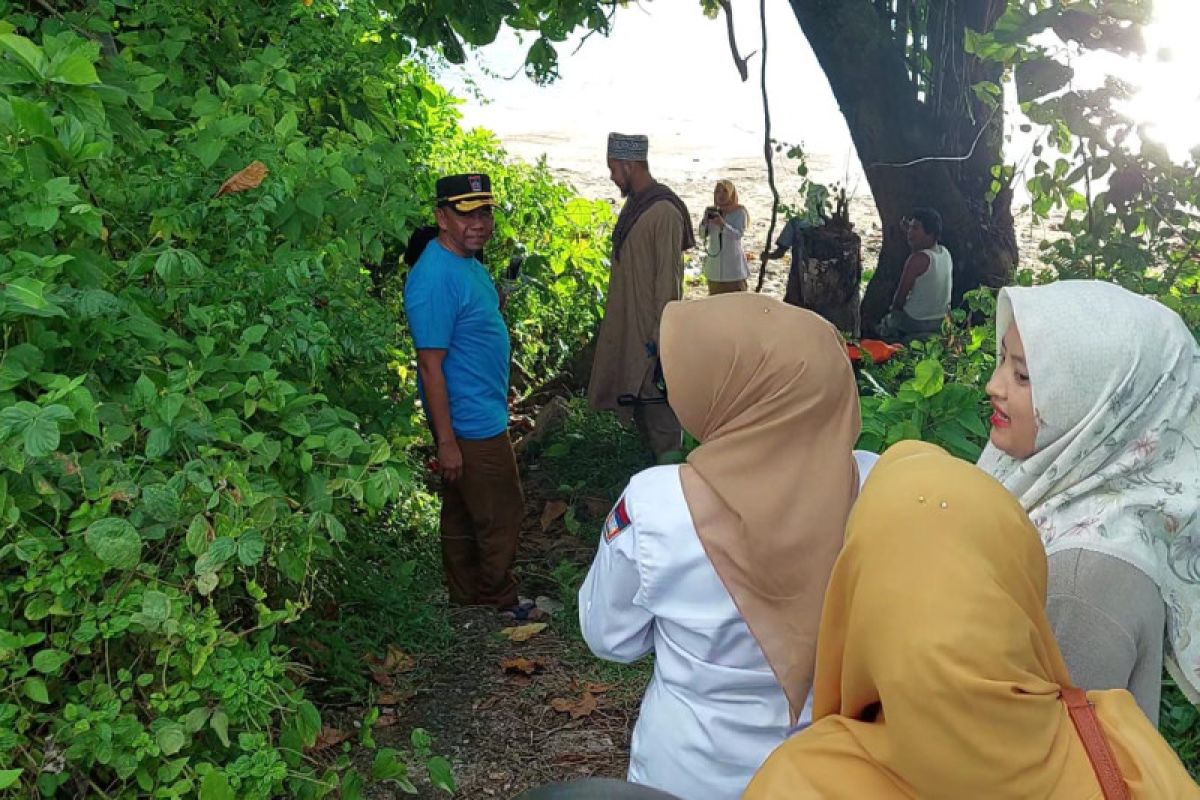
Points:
x=1096, y=431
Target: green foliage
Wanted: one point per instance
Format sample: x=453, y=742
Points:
x=934, y=389
x=203, y=402
x=1131, y=213
x=1179, y=722
x=592, y=454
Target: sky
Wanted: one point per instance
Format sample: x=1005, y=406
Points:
x=666, y=71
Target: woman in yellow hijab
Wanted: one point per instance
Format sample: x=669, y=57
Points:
x=937, y=673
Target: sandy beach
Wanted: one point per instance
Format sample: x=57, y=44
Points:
x=693, y=171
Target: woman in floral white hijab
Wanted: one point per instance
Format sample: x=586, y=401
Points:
x=1097, y=432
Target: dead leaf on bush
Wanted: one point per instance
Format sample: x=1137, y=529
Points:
x=523, y=633
x=327, y=738
x=576, y=708
x=553, y=510
x=249, y=178
x=520, y=664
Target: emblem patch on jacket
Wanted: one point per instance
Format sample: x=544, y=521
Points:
x=618, y=520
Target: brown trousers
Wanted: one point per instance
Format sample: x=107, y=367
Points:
x=725, y=287
x=480, y=524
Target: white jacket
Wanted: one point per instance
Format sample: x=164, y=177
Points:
x=713, y=711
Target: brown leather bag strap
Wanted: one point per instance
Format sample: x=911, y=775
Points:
x=1096, y=744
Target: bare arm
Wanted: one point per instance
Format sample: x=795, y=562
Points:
x=916, y=266
x=437, y=401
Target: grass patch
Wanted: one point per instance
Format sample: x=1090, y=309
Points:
x=383, y=588
x=1179, y=722
x=591, y=456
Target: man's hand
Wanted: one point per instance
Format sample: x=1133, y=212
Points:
x=450, y=459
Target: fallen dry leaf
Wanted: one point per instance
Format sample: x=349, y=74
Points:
x=582, y=707
x=386, y=721
x=397, y=660
x=599, y=688
x=249, y=178
x=382, y=678
x=393, y=698
x=328, y=738
x=523, y=633
x=553, y=510
x=520, y=664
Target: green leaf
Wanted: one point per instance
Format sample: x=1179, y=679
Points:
x=220, y=725
x=441, y=774
x=144, y=392
x=250, y=548
x=197, y=535
x=75, y=70
x=296, y=425
x=341, y=442
x=161, y=502
x=170, y=407
x=286, y=126
x=207, y=583
x=208, y=150
x=284, y=80
x=340, y=178
x=387, y=767
x=156, y=606
x=311, y=203
x=215, y=786
x=195, y=720
x=27, y=292
x=42, y=435
x=115, y=542
x=308, y=723
x=33, y=117
x=26, y=52
x=49, y=662
x=35, y=690
x=221, y=550
x=9, y=777
x=929, y=378
x=171, y=738
x=254, y=334
x=383, y=487
x=158, y=442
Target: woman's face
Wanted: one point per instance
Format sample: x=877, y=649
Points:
x=720, y=195
x=1014, y=424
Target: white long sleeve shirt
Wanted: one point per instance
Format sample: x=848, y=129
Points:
x=713, y=711
x=724, y=257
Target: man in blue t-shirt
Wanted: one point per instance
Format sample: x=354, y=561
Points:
x=462, y=344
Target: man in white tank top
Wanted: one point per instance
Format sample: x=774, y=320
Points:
x=922, y=299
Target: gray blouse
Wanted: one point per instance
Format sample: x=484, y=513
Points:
x=1109, y=619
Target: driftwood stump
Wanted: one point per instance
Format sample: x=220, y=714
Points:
x=830, y=271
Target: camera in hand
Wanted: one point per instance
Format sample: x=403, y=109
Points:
x=711, y=212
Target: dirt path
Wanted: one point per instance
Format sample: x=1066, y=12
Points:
x=490, y=702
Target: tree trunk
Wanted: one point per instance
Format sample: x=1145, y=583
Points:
x=828, y=274
x=901, y=110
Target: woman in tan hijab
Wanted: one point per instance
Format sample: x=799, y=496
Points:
x=719, y=566
x=937, y=673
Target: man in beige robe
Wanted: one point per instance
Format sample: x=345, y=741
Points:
x=649, y=240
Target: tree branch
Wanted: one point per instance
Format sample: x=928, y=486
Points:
x=741, y=63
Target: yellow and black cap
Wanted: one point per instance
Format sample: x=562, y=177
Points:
x=465, y=193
